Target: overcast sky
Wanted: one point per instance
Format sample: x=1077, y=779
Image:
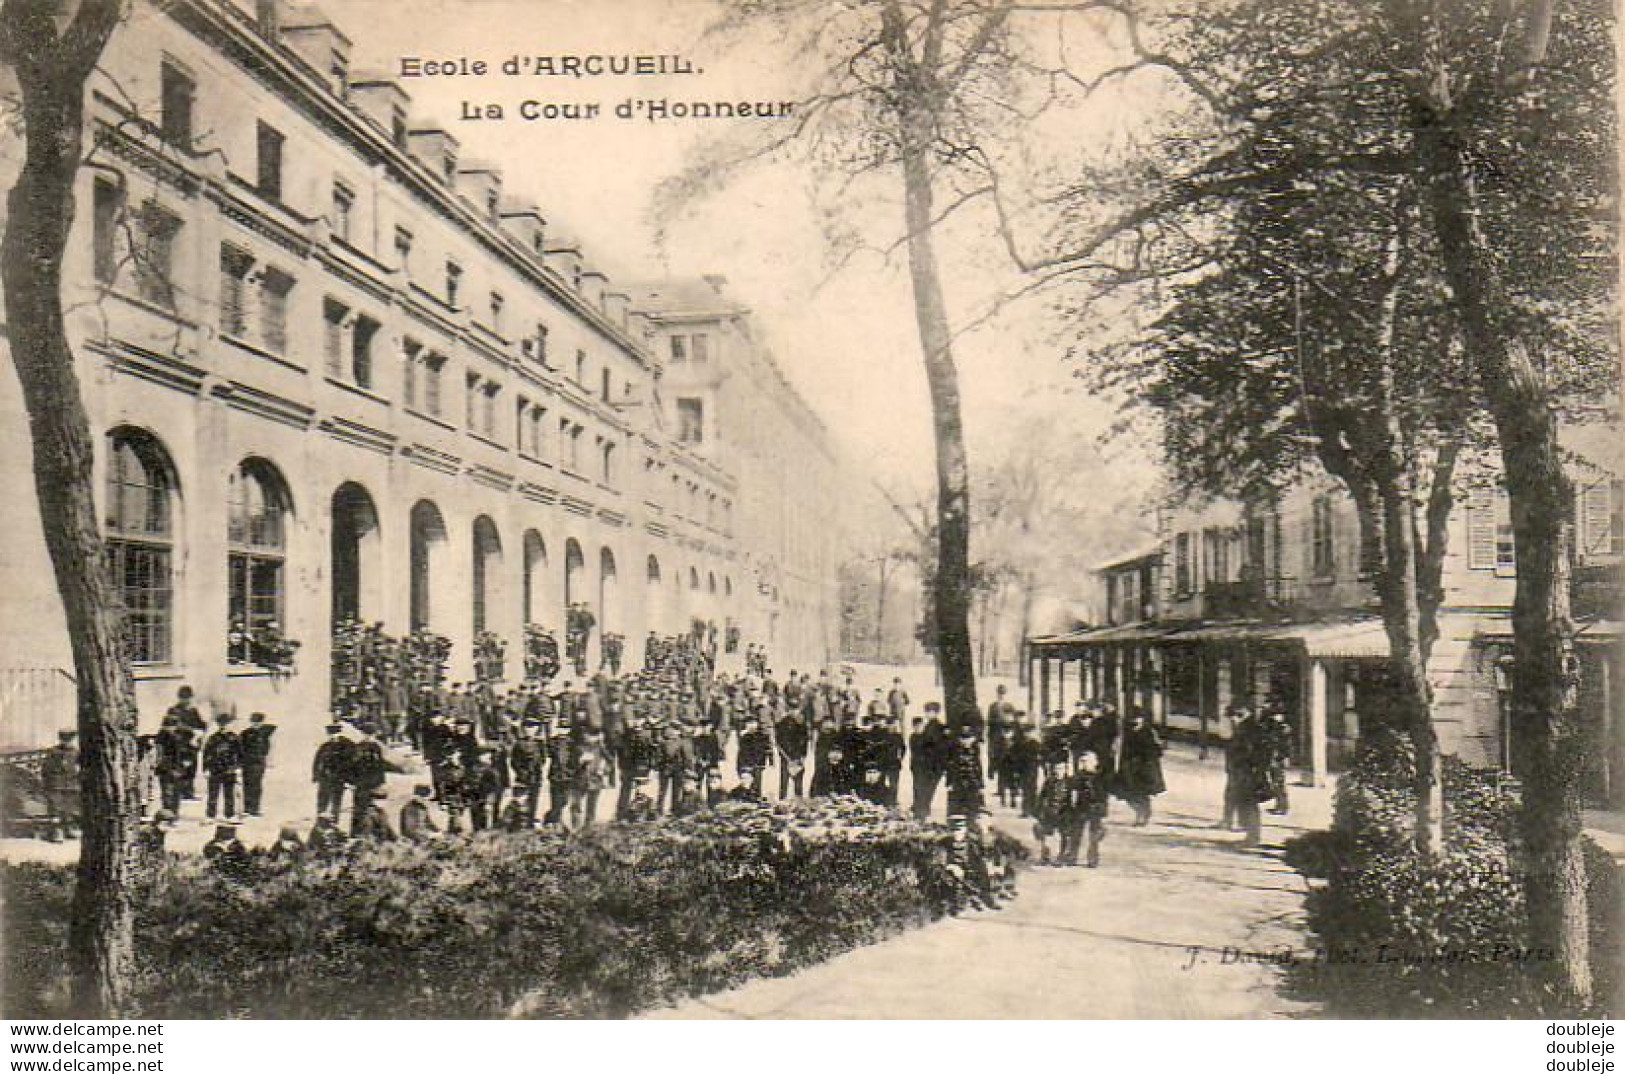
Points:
x=848, y=340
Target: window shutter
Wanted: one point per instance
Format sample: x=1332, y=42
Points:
x=1481, y=530
x=1596, y=508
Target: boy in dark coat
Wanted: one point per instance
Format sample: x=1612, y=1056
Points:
x=754, y=754
x=1088, y=819
x=330, y=771
x=223, y=761
x=1052, y=812
x=791, y=740
x=256, y=747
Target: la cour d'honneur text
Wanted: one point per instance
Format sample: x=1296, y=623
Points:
x=652, y=109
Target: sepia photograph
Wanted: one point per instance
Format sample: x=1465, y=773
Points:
x=812, y=509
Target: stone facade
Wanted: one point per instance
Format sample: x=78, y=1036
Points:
x=343, y=373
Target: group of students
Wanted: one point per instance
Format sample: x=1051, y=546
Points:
x=233, y=762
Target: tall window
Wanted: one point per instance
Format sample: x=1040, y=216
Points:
x=108, y=207
x=497, y=302
x=155, y=255
x=1182, y=564
x=343, y=209
x=489, y=408
x=701, y=347
x=140, y=541
x=177, y=92
x=274, y=291
x=1322, y=538
x=679, y=348
x=234, y=269
x=581, y=368
x=412, y=355
x=257, y=508
x=471, y=400
x=690, y=421
x=268, y=171
x=334, y=314
x=434, y=376
x=361, y=340
x=603, y=384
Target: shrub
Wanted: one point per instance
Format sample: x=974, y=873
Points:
x=542, y=925
x=1442, y=937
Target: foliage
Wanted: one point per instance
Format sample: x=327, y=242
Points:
x=1441, y=937
x=543, y=925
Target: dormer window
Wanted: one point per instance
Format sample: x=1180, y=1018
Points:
x=450, y=166
x=397, y=126
x=492, y=207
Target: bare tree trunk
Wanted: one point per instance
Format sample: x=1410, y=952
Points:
x=1407, y=662
x=880, y=613
x=51, y=72
x=917, y=105
x=1547, y=739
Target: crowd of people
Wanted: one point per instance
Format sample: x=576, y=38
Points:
x=672, y=738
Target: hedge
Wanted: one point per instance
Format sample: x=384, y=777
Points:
x=1442, y=937
x=605, y=924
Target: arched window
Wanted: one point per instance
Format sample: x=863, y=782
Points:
x=535, y=567
x=427, y=537
x=487, y=566
x=652, y=570
x=256, y=536
x=140, y=534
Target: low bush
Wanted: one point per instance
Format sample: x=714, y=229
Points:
x=542, y=925
x=1441, y=937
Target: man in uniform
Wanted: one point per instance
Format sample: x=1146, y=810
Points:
x=187, y=715
x=754, y=754
x=256, y=745
x=558, y=771
x=791, y=740
x=330, y=771
x=890, y=748
x=368, y=770
x=59, y=775
x=223, y=762
x=176, y=757
x=927, y=758
x=528, y=758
